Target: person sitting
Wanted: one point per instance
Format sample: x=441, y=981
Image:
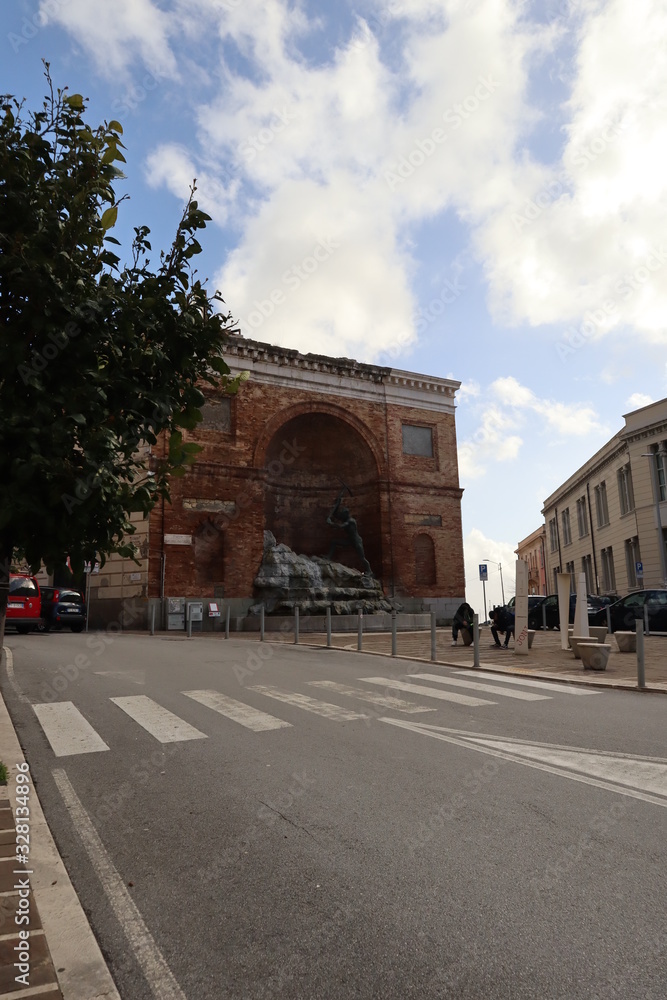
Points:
x=463, y=619
x=503, y=624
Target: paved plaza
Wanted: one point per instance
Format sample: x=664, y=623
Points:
x=545, y=659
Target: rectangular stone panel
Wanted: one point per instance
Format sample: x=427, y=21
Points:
x=217, y=415
x=417, y=440
x=430, y=520
x=211, y=506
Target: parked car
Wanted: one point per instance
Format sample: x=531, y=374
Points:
x=24, y=603
x=63, y=607
x=533, y=601
x=625, y=612
x=550, y=605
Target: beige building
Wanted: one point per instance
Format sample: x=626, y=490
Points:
x=533, y=551
x=609, y=519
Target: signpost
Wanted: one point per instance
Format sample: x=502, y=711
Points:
x=484, y=576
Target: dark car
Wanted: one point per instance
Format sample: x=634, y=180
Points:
x=533, y=601
x=624, y=613
x=548, y=608
x=63, y=607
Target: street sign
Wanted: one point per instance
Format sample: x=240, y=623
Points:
x=639, y=568
x=483, y=572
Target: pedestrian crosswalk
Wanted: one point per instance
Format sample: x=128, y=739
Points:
x=70, y=733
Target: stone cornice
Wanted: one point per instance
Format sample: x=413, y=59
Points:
x=339, y=376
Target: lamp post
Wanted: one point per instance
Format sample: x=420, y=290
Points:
x=502, y=589
x=652, y=455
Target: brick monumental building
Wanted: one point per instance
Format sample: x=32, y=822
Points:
x=275, y=457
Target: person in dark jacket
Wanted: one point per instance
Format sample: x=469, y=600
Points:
x=503, y=624
x=463, y=619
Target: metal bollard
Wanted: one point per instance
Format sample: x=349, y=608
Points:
x=475, y=641
x=544, y=618
x=647, y=630
x=434, y=651
x=328, y=627
x=261, y=624
x=227, y=616
x=152, y=619
x=296, y=624
x=393, y=633
x=641, y=679
x=608, y=619
x=360, y=632
x=189, y=617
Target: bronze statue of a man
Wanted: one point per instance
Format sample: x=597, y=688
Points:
x=340, y=517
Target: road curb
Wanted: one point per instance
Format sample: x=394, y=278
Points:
x=75, y=953
x=488, y=668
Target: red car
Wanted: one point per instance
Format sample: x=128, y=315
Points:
x=24, y=606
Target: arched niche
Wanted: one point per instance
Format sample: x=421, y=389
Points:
x=305, y=460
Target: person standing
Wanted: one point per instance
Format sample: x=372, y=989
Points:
x=463, y=619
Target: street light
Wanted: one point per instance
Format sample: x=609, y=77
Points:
x=656, y=492
x=502, y=589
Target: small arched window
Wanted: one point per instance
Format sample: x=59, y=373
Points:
x=425, y=560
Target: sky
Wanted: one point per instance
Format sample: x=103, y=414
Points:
x=483, y=182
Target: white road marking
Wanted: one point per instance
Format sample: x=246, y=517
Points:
x=488, y=688
x=156, y=720
x=427, y=692
x=650, y=776
x=158, y=974
x=384, y=701
x=547, y=685
x=66, y=729
x=625, y=774
x=324, y=708
x=237, y=711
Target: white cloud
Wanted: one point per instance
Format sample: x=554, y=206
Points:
x=369, y=141
x=514, y=407
x=584, y=238
x=478, y=548
x=118, y=34
x=637, y=400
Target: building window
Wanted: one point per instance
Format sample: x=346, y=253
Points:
x=661, y=469
x=569, y=568
x=608, y=575
x=425, y=560
x=581, y=517
x=567, y=531
x=625, y=491
x=553, y=535
x=417, y=440
x=587, y=568
x=632, y=557
x=601, y=505
x=556, y=572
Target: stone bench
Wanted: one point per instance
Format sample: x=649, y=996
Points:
x=594, y=655
x=575, y=640
x=626, y=642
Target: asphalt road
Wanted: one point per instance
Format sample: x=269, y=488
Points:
x=512, y=849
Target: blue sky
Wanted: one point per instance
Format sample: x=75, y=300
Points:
x=487, y=178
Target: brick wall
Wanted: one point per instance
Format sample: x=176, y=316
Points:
x=273, y=457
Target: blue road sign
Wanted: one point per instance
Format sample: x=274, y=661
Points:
x=483, y=572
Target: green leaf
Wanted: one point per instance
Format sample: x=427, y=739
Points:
x=108, y=220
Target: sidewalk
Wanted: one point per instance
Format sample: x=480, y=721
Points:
x=59, y=957
x=545, y=660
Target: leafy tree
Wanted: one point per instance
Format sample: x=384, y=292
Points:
x=96, y=359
